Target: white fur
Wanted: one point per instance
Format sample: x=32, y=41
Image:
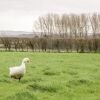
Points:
x=19, y=71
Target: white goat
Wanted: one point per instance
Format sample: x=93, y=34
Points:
x=18, y=72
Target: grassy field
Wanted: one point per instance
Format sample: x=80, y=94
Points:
x=51, y=76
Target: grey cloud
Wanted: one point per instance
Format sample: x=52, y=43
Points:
x=20, y=14
x=30, y=6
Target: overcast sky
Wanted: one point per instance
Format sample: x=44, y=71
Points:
x=19, y=15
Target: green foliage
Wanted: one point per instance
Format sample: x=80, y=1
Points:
x=51, y=76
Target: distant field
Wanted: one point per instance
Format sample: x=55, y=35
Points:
x=51, y=76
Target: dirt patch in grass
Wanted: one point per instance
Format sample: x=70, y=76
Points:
x=72, y=73
x=50, y=73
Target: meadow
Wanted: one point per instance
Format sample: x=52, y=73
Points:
x=51, y=76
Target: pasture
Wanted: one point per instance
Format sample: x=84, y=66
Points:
x=51, y=76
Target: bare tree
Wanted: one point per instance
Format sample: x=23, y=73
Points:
x=94, y=20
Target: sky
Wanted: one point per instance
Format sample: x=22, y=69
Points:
x=19, y=15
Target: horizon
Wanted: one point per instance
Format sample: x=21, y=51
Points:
x=19, y=15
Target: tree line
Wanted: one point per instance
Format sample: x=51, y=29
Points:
x=80, y=32
x=60, y=33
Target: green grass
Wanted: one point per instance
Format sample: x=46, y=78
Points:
x=51, y=76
